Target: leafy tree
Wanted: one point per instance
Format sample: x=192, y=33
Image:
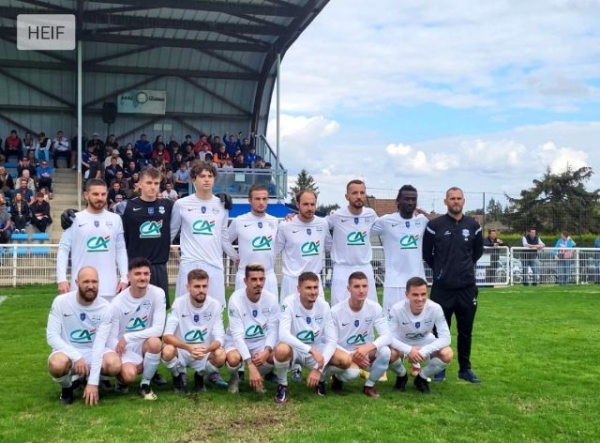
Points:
x=305, y=181
x=326, y=209
x=556, y=202
x=494, y=210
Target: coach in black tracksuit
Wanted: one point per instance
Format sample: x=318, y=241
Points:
x=452, y=244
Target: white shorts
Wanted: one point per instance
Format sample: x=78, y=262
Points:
x=185, y=359
x=391, y=296
x=133, y=353
x=229, y=345
x=289, y=285
x=270, y=281
x=216, y=282
x=339, y=282
x=87, y=354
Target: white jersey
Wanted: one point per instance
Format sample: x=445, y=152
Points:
x=253, y=325
x=196, y=326
x=256, y=239
x=302, y=328
x=403, y=247
x=303, y=245
x=139, y=319
x=204, y=234
x=351, y=236
x=410, y=330
x=75, y=329
x=357, y=328
x=94, y=240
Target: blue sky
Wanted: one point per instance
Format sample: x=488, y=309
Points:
x=444, y=93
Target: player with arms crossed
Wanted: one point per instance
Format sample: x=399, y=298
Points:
x=255, y=233
x=253, y=322
x=307, y=335
x=351, y=250
x=194, y=334
x=139, y=313
x=202, y=219
x=355, y=319
x=95, y=239
x=411, y=322
x=78, y=331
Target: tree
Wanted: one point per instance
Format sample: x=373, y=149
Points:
x=326, y=209
x=494, y=210
x=557, y=202
x=305, y=181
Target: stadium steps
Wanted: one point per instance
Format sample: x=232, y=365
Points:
x=64, y=196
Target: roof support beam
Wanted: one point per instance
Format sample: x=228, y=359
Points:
x=120, y=91
x=217, y=96
x=36, y=88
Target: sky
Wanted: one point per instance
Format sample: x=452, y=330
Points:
x=481, y=95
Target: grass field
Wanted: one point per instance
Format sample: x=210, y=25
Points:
x=536, y=350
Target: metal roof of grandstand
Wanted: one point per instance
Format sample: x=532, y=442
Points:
x=217, y=58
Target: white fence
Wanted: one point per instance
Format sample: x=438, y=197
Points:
x=22, y=264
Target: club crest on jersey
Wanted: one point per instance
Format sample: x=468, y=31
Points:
x=407, y=224
x=308, y=320
x=82, y=316
x=356, y=220
x=95, y=319
x=215, y=210
x=150, y=210
x=465, y=233
x=266, y=311
x=96, y=223
x=109, y=224
x=356, y=323
x=418, y=223
x=196, y=318
x=146, y=304
x=369, y=320
x=417, y=324
x=208, y=316
x=254, y=313
x=308, y=231
x=203, y=209
x=260, y=224
x=318, y=320
x=161, y=210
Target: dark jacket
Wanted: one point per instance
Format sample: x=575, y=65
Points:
x=451, y=248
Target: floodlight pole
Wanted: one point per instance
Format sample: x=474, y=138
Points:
x=277, y=124
x=79, y=119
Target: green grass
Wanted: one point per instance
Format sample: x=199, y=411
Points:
x=536, y=350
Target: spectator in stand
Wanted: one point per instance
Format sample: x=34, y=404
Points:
x=115, y=189
x=238, y=161
x=110, y=171
x=530, y=257
x=111, y=143
x=26, y=192
x=42, y=147
x=227, y=166
x=565, y=254
x=250, y=158
x=132, y=183
x=13, y=146
x=44, y=174
x=182, y=180
x=492, y=242
x=98, y=145
x=19, y=212
x=95, y=169
x=74, y=148
x=231, y=143
x=7, y=184
x=32, y=160
x=202, y=145
x=40, y=212
x=157, y=140
x=28, y=144
x=86, y=157
x=169, y=192
x=161, y=152
x=220, y=157
x=25, y=164
x=247, y=144
x=6, y=225
x=118, y=199
x=46, y=194
x=60, y=147
x=143, y=148
x=177, y=161
x=187, y=146
x=259, y=163
x=130, y=168
x=114, y=154
x=173, y=146
x=215, y=142
x=162, y=165
x=30, y=181
x=123, y=152
x=123, y=182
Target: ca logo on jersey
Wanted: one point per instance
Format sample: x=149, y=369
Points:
x=151, y=229
x=255, y=331
x=307, y=336
x=310, y=248
x=358, y=339
x=137, y=323
x=203, y=227
x=356, y=238
x=409, y=241
x=98, y=244
x=195, y=336
x=82, y=336
x=414, y=336
x=262, y=243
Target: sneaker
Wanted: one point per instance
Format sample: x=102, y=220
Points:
x=106, y=386
x=440, y=376
x=271, y=377
x=147, y=393
x=79, y=383
x=281, y=396
x=336, y=384
x=199, y=382
x=234, y=383
x=297, y=375
x=66, y=395
x=468, y=375
x=422, y=384
x=401, y=383
x=415, y=369
x=364, y=374
x=158, y=380
x=370, y=391
x=121, y=388
x=180, y=384
x=216, y=379
x=321, y=389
